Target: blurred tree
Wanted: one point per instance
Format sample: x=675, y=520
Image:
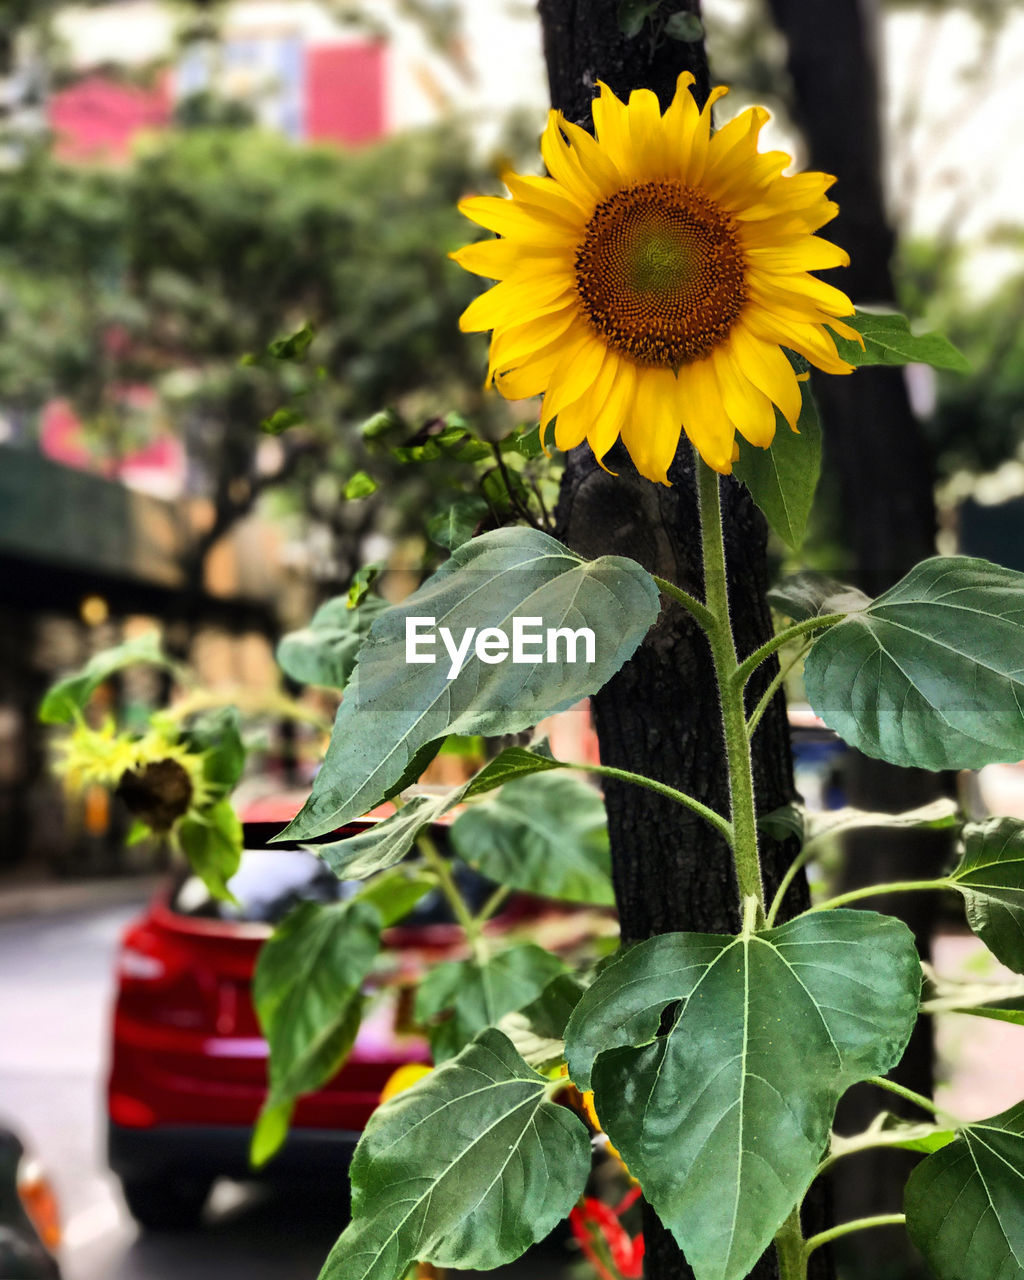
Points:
x=212, y=244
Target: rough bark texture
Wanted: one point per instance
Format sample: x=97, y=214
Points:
x=661, y=715
x=878, y=463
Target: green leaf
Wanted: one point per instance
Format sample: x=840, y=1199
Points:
x=466, y=1169
x=812, y=595
x=476, y=995
x=382, y=424
x=455, y=525
x=306, y=990
x=1001, y=1001
x=325, y=652
x=538, y=1029
x=546, y=834
x=940, y=815
x=788, y=822
x=527, y=442
x=782, y=479
x=362, y=581
x=724, y=1119
x=513, y=762
x=395, y=893
x=633, y=14
x=888, y=340
x=218, y=735
x=990, y=875
x=963, y=1204
x=685, y=26
x=930, y=673
x=294, y=346
x=361, y=485
x=212, y=842
x=392, y=709
x=416, y=768
x=281, y=419
x=71, y=694
x=385, y=843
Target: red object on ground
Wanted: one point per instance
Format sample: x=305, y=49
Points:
x=98, y=117
x=596, y=1219
x=345, y=93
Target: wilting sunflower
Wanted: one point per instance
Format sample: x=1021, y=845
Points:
x=650, y=284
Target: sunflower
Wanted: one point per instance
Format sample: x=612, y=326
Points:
x=650, y=284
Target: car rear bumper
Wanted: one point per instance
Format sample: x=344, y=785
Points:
x=208, y=1151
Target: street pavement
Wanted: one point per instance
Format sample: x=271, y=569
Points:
x=56, y=982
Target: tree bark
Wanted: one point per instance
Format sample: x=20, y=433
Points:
x=878, y=463
x=661, y=714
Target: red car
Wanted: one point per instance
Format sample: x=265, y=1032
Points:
x=189, y=1065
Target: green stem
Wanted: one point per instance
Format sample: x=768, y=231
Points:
x=765, y=701
x=873, y=890
x=795, y=867
x=908, y=1095
x=722, y=825
x=873, y=1139
x=470, y=923
x=789, y=1246
x=858, y=1224
x=690, y=603
x=493, y=903
x=734, y=718
x=749, y=665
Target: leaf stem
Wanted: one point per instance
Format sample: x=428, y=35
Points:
x=493, y=903
x=765, y=700
x=749, y=665
x=722, y=825
x=470, y=923
x=743, y=811
x=908, y=1095
x=858, y=1224
x=795, y=867
x=690, y=603
x=873, y=890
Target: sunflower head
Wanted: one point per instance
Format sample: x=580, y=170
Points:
x=649, y=285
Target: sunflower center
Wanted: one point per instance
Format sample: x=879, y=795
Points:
x=660, y=273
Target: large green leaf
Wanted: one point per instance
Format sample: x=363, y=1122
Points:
x=724, y=1118
x=963, y=1204
x=990, y=875
x=306, y=990
x=392, y=708
x=475, y=994
x=546, y=834
x=888, y=340
x=325, y=651
x=1001, y=1001
x=466, y=1169
x=930, y=673
x=513, y=762
x=70, y=695
x=212, y=842
x=783, y=478
x=538, y=1029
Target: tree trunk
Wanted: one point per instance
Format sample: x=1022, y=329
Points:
x=661, y=715
x=878, y=463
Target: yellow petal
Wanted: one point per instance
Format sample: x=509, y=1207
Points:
x=693, y=174
x=645, y=133
x=652, y=428
x=799, y=292
x=735, y=142
x=546, y=194
x=512, y=218
x=704, y=418
x=565, y=167
x=515, y=301
x=804, y=253
x=574, y=374
x=767, y=367
x=611, y=124
x=750, y=410
x=511, y=347
x=618, y=396
x=809, y=340
x=576, y=419
x=593, y=160
x=497, y=259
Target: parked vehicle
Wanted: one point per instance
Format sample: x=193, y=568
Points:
x=188, y=1061
x=29, y=1222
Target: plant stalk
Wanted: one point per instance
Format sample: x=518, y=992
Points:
x=873, y=890
x=743, y=811
x=716, y=820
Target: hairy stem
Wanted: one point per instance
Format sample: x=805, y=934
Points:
x=716, y=820
x=789, y=1246
x=749, y=665
x=734, y=718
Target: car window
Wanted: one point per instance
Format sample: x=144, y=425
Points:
x=271, y=882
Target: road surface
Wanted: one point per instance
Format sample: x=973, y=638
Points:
x=55, y=993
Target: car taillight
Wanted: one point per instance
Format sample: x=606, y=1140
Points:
x=39, y=1201
x=139, y=966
